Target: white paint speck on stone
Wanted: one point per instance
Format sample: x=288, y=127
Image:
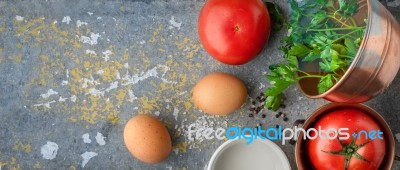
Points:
x=100, y=139
x=100, y=72
x=157, y=113
x=142, y=42
x=66, y=19
x=86, y=138
x=107, y=54
x=92, y=40
x=48, y=94
x=49, y=150
x=79, y=23
x=262, y=86
x=87, y=156
x=95, y=92
x=73, y=98
x=176, y=150
x=175, y=113
x=131, y=96
x=64, y=82
x=90, y=13
x=19, y=18
x=398, y=137
x=91, y=52
x=174, y=23
x=98, y=18
x=61, y=99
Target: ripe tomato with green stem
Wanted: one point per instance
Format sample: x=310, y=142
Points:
x=358, y=152
x=234, y=31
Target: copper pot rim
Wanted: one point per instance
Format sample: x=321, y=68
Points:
x=353, y=64
x=389, y=138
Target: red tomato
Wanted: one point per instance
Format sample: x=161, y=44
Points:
x=363, y=153
x=234, y=31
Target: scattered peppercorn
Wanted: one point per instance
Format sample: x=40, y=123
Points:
x=277, y=115
x=251, y=115
x=263, y=115
x=285, y=119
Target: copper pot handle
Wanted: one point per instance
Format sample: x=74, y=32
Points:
x=298, y=123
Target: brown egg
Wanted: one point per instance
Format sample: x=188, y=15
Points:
x=219, y=94
x=147, y=139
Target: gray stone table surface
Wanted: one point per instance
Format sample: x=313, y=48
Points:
x=73, y=72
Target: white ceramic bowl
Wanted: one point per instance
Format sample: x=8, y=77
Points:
x=259, y=155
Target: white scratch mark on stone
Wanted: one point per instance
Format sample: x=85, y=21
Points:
x=49, y=150
x=131, y=96
x=66, y=19
x=90, y=13
x=92, y=40
x=86, y=138
x=100, y=139
x=47, y=104
x=142, y=42
x=175, y=113
x=182, y=93
x=134, y=79
x=67, y=73
x=48, y=94
x=73, y=98
x=107, y=54
x=157, y=113
x=174, y=23
x=99, y=18
x=79, y=23
x=113, y=85
x=135, y=108
x=90, y=52
x=61, y=99
x=87, y=156
x=19, y=18
x=55, y=22
x=95, y=92
x=395, y=3
x=398, y=137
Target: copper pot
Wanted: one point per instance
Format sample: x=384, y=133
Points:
x=300, y=148
x=375, y=65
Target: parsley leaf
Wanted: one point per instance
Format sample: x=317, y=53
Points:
x=348, y=7
x=320, y=32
